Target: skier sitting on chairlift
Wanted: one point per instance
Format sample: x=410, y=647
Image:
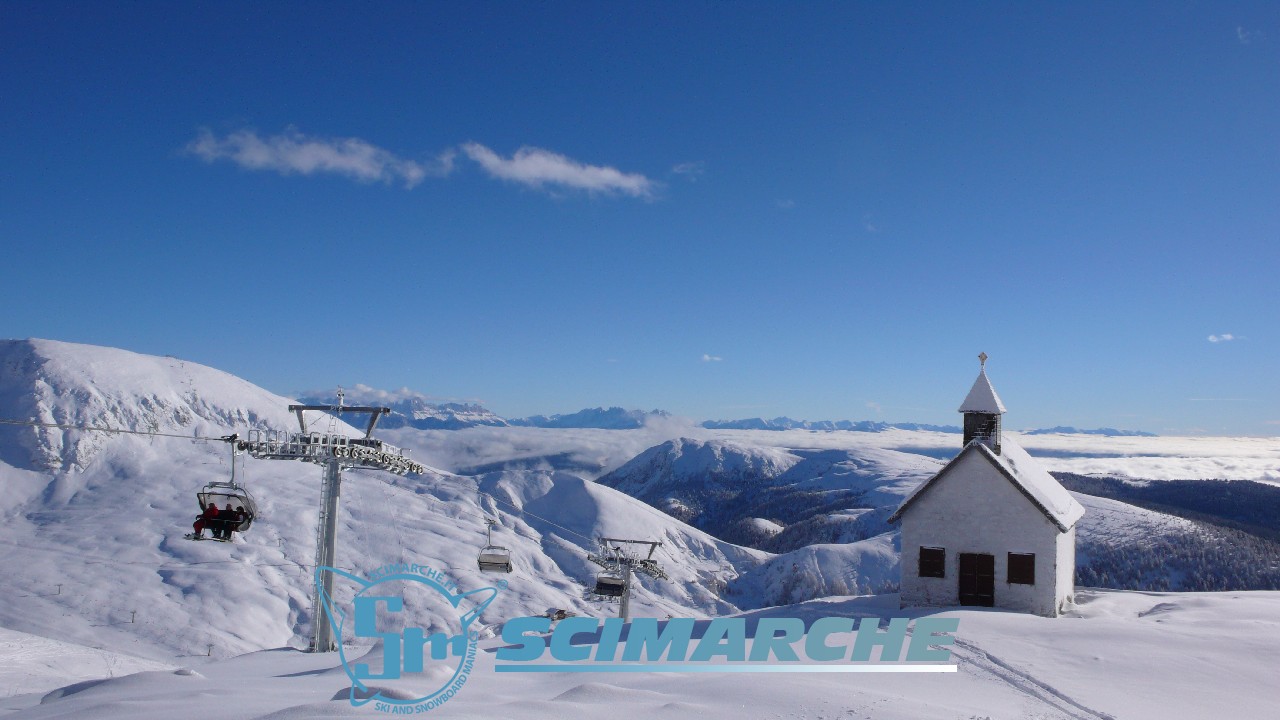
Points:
x=209, y=519
x=233, y=521
x=227, y=522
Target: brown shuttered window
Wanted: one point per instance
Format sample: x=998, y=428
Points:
x=933, y=562
x=1022, y=568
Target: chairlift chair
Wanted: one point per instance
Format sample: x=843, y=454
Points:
x=222, y=494
x=610, y=584
x=494, y=558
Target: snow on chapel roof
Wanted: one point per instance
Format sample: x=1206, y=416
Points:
x=982, y=398
x=1029, y=476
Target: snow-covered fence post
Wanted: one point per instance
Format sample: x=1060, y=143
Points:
x=59, y=590
x=133, y=616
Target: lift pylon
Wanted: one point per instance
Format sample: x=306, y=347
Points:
x=335, y=453
x=620, y=565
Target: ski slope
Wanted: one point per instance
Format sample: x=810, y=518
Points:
x=1157, y=656
x=100, y=583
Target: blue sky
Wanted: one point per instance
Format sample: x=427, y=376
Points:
x=720, y=209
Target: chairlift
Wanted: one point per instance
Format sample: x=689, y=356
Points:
x=223, y=494
x=610, y=584
x=494, y=558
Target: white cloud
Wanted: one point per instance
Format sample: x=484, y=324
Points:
x=294, y=153
x=785, y=204
x=361, y=394
x=537, y=168
x=1247, y=36
x=1225, y=337
x=690, y=170
x=711, y=358
x=873, y=405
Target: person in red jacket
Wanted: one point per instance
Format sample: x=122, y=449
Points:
x=209, y=519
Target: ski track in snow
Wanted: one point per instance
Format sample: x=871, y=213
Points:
x=981, y=661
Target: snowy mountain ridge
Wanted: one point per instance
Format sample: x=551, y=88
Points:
x=64, y=383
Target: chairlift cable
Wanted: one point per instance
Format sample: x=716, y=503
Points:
x=533, y=515
x=62, y=426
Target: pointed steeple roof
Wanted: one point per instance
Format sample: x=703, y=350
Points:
x=982, y=398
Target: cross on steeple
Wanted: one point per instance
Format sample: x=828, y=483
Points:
x=982, y=358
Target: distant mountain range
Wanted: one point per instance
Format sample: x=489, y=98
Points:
x=409, y=409
x=614, y=418
x=412, y=409
x=1109, y=432
x=786, y=423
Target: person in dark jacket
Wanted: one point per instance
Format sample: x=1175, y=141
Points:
x=233, y=522
x=207, y=519
x=226, y=523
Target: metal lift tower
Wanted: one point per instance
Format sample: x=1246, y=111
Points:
x=334, y=452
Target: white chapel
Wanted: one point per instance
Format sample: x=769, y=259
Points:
x=993, y=528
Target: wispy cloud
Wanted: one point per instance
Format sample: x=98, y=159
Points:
x=711, y=358
x=291, y=153
x=361, y=394
x=1225, y=337
x=1273, y=422
x=538, y=168
x=873, y=405
x=690, y=170
x=787, y=204
x=1247, y=36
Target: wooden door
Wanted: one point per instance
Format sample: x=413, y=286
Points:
x=977, y=579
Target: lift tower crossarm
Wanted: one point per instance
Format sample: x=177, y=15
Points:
x=375, y=413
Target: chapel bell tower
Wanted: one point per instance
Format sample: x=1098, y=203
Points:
x=982, y=410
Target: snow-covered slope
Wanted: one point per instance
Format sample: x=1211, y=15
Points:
x=679, y=472
x=1120, y=656
x=728, y=488
x=66, y=383
x=92, y=524
x=34, y=664
x=713, y=485
x=864, y=567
